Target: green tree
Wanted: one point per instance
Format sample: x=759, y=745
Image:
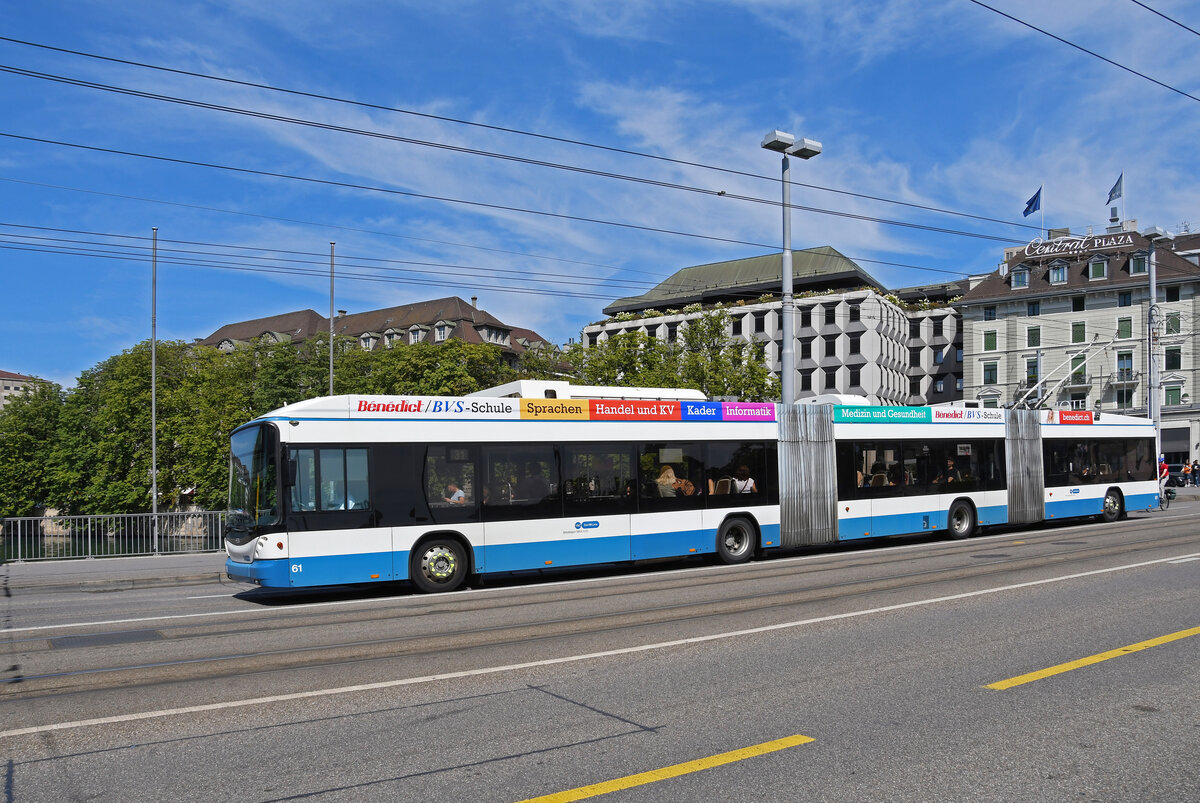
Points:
x=718, y=364
x=705, y=357
x=105, y=455
x=628, y=359
x=217, y=397
x=543, y=361
x=29, y=429
x=451, y=368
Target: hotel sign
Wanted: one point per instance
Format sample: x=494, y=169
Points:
x=1071, y=246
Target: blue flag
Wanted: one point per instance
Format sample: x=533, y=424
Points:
x=1034, y=203
x=1117, y=191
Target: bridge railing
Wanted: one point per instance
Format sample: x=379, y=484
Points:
x=118, y=535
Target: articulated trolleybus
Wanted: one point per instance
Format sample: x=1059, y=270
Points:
x=366, y=489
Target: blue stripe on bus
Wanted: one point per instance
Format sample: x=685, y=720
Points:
x=359, y=568
x=373, y=567
x=541, y=554
x=666, y=545
x=1066, y=508
x=273, y=573
x=924, y=521
x=1141, y=501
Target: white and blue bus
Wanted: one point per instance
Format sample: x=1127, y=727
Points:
x=367, y=489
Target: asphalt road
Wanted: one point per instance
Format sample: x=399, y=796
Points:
x=857, y=674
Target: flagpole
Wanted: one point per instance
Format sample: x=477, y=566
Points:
x=1042, y=205
x=1122, y=198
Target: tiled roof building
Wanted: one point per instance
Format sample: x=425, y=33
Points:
x=425, y=321
x=851, y=338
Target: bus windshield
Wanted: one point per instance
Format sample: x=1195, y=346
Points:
x=253, y=496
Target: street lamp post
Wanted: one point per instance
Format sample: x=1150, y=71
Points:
x=786, y=144
x=1154, y=404
x=154, y=391
x=331, y=319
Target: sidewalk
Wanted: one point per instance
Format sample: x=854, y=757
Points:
x=113, y=574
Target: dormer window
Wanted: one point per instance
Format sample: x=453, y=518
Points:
x=1137, y=263
x=1098, y=268
x=441, y=332
x=1020, y=278
x=415, y=335
x=1058, y=272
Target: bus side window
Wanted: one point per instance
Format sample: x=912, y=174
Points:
x=671, y=476
x=304, y=490
x=451, y=486
x=521, y=480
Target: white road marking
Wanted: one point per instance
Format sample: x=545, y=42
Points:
x=491, y=670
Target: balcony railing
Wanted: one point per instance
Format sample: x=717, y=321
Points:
x=1078, y=380
x=1124, y=376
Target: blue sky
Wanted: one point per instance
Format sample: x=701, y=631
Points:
x=938, y=103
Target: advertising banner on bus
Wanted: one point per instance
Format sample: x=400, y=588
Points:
x=488, y=409
x=916, y=415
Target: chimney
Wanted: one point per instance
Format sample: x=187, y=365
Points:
x=475, y=302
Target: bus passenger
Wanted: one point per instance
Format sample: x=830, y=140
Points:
x=671, y=485
x=667, y=481
x=950, y=474
x=743, y=483
x=454, y=494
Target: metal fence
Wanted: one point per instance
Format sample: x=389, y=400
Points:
x=50, y=537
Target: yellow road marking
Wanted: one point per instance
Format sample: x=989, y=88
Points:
x=1092, y=659
x=643, y=778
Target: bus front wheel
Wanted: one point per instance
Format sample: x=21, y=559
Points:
x=438, y=564
x=735, y=541
x=1114, y=505
x=961, y=519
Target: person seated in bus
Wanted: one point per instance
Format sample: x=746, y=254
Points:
x=951, y=473
x=743, y=483
x=533, y=486
x=454, y=494
x=895, y=475
x=671, y=485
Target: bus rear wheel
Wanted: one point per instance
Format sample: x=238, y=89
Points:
x=438, y=565
x=735, y=541
x=961, y=519
x=1114, y=505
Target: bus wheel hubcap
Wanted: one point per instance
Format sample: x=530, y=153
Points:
x=439, y=564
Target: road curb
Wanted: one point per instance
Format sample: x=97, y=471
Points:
x=12, y=584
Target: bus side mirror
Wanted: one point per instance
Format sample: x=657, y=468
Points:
x=290, y=479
